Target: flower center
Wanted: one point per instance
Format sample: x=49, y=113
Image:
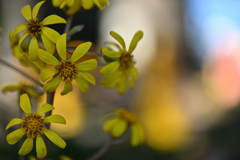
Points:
x=126, y=60
x=67, y=70
x=33, y=125
x=34, y=27
x=128, y=116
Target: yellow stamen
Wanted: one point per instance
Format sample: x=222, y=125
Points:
x=126, y=61
x=67, y=70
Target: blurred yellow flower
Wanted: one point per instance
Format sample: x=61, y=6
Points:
x=119, y=122
x=36, y=28
x=120, y=72
x=66, y=70
x=32, y=125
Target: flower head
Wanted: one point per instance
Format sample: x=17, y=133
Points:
x=67, y=69
x=36, y=28
x=32, y=125
x=121, y=119
x=120, y=72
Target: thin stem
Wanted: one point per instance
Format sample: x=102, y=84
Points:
x=102, y=150
x=68, y=25
x=21, y=72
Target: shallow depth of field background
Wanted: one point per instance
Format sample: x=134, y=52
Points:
x=187, y=95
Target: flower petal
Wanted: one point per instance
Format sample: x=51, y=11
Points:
x=45, y=108
x=56, y=3
x=25, y=104
x=53, y=19
x=47, y=73
x=36, y=9
x=111, y=78
x=80, y=51
x=122, y=83
x=21, y=40
x=55, y=138
x=47, y=57
x=55, y=119
x=87, y=4
x=19, y=28
x=63, y=4
x=119, y=129
x=61, y=46
x=74, y=8
x=52, y=85
x=101, y=4
x=119, y=39
x=137, y=37
x=10, y=88
x=48, y=44
x=26, y=147
x=110, y=68
x=111, y=54
x=26, y=12
x=15, y=136
x=82, y=84
x=67, y=88
x=108, y=125
x=134, y=75
x=33, y=48
x=51, y=34
x=13, y=122
x=88, y=77
x=137, y=135
x=40, y=147
x=70, y=2
x=87, y=65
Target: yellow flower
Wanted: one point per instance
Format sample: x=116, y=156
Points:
x=36, y=28
x=32, y=125
x=119, y=122
x=73, y=6
x=121, y=72
x=66, y=70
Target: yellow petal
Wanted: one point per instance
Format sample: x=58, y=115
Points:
x=51, y=34
x=83, y=85
x=26, y=12
x=13, y=122
x=47, y=57
x=111, y=54
x=36, y=9
x=55, y=138
x=10, y=88
x=87, y=4
x=122, y=88
x=136, y=38
x=119, y=39
x=40, y=147
x=15, y=136
x=45, y=108
x=119, y=129
x=80, y=51
x=33, y=48
x=134, y=75
x=48, y=44
x=53, y=19
x=52, y=85
x=21, y=39
x=109, y=68
x=25, y=104
x=108, y=125
x=88, y=77
x=74, y=8
x=70, y=2
x=67, y=88
x=111, y=78
x=98, y=4
x=136, y=135
x=19, y=28
x=87, y=65
x=55, y=119
x=61, y=46
x=47, y=73
x=56, y=3
x=26, y=147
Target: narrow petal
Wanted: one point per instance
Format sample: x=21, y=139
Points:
x=122, y=84
x=52, y=85
x=26, y=147
x=45, y=108
x=87, y=4
x=33, y=48
x=136, y=38
x=108, y=125
x=13, y=122
x=19, y=28
x=15, y=136
x=36, y=9
x=136, y=135
x=111, y=54
x=56, y=3
x=55, y=119
x=110, y=68
x=48, y=44
x=119, y=39
x=82, y=84
x=134, y=75
x=74, y=8
x=55, y=138
x=21, y=40
x=88, y=77
x=40, y=147
x=63, y=4
x=47, y=73
x=80, y=51
x=67, y=88
x=53, y=19
x=10, y=88
x=111, y=78
x=47, y=57
x=87, y=65
x=26, y=12
x=70, y=2
x=119, y=129
x=25, y=104
x=51, y=34
x=61, y=46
